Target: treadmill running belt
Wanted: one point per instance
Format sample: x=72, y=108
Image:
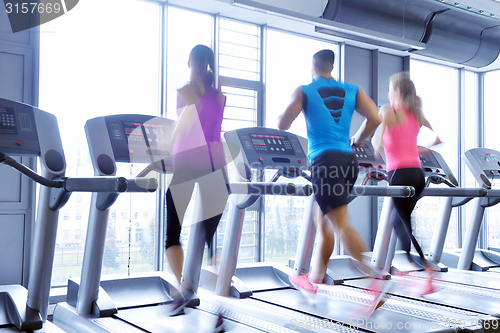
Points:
x=389, y=318
x=155, y=319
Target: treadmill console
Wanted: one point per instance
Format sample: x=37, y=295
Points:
x=434, y=165
x=137, y=139
x=484, y=164
x=131, y=137
x=269, y=148
x=18, y=134
x=367, y=159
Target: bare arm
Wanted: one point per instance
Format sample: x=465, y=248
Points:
x=187, y=97
x=291, y=112
x=367, y=108
x=426, y=123
x=377, y=139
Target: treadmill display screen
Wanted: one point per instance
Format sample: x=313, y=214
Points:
x=7, y=121
x=133, y=133
x=272, y=144
x=488, y=159
x=138, y=134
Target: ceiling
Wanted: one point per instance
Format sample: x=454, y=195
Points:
x=301, y=16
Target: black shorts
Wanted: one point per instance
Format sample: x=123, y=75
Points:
x=333, y=176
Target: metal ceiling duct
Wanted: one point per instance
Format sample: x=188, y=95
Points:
x=449, y=34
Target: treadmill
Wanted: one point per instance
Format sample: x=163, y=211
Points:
x=481, y=291
x=33, y=132
x=437, y=172
x=264, y=289
x=484, y=164
x=139, y=302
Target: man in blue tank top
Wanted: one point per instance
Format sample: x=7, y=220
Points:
x=328, y=106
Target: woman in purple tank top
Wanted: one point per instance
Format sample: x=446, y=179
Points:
x=198, y=157
x=397, y=136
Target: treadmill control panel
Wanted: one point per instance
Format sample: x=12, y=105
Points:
x=138, y=138
x=271, y=144
x=430, y=164
x=269, y=148
x=433, y=164
x=18, y=134
x=484, y=164
x=367, y=159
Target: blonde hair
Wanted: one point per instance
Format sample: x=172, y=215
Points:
x=411, y=101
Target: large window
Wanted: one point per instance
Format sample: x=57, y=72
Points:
x=491, y=140
x=113, y=66
x=437, y=86
x=239, y=80
x=185, y=30
x=284, y=74
x=108, y=65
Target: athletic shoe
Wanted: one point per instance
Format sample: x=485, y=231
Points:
x=428, y=288
x=177, y=306
x=219, y=325
x=302, y=284
x=380, y=289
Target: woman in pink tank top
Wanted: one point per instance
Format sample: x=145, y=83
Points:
x=397, y=135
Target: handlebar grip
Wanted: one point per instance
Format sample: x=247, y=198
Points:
x=303, y=190
x=389, y=191
x=141, y=184
x=96, y=184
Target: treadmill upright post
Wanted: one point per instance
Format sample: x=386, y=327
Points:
x=306, y=239
x=88, y=291
x=231, y=248
x=380, y=248
x=53, y=164
x=470, y=240
x=439, y=237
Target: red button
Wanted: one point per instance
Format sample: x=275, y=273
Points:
x=131, y=151
x=261, y=159
x=19, y=142
x=300, y=161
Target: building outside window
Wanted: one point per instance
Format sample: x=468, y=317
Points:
x=89, y=70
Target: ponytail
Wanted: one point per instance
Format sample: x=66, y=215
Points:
x=411, y=101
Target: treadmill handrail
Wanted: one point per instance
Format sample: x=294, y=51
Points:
x=454, y=192
x=387, y=191
x=263, y=188
x=142, y=184
x=85, y=184
x=28, y=172
x=95, y=184
x=493, y=193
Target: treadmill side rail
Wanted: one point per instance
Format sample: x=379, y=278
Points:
x=68, y=320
